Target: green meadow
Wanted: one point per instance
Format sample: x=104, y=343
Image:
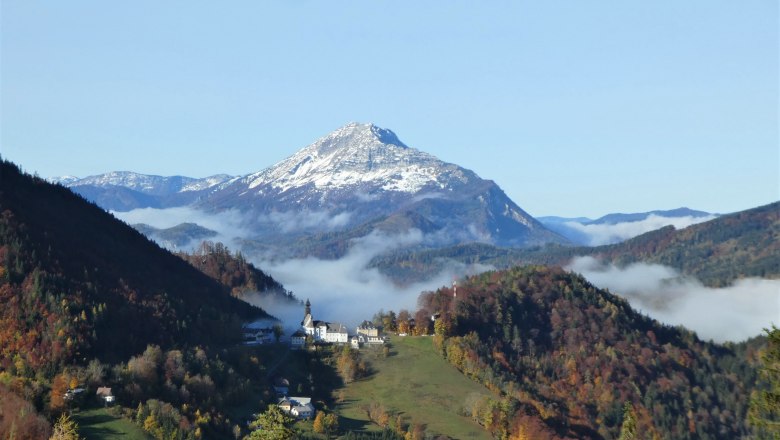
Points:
x=417, y=383
x=99, y=424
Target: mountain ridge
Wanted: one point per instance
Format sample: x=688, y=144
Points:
x=358, y=173
x=93, y=277
x=717, y=252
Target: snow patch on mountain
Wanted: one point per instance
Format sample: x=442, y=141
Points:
x=357, y=155
x=145, y=183
x=206, y=183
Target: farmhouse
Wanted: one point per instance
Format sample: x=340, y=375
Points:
x=298, y=339
x=105, y=394
x=298, y=407
x=253, y=336
x=264, y=331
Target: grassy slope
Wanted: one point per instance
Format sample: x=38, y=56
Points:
x=98, y=424
x=418, y=383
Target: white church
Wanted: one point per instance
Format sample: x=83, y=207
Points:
x=332, y=332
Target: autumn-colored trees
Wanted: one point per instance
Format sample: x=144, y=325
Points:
x=19, y=419
x=326, y=424
x=349, y=365
x=765, y=402
x=65, y=429
x=567, y=354
x=59, y=386
x=163, y=421
x=234, y=271
x=74, y=279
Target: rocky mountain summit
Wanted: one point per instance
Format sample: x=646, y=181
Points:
x=359, y=177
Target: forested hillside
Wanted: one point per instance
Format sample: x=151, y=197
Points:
x=743, y=244
x=81, y=291
x=574, y=361
x=233, y=271
x=717, y=252
x=75, y=281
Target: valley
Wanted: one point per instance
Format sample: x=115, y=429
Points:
x=384, y=220
x=491, y=336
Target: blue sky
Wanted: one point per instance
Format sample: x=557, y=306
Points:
x=573, y=108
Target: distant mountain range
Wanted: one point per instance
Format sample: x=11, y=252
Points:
x=361, y=180
x=614, y=228
x=126, y=190
x=717, y=252
x=615, y=218
x=356, y=176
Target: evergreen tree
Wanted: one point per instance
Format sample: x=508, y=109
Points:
x=628, y=428
x=65, y=429
x=764, y=413
x=273, y=424
x=331, y=424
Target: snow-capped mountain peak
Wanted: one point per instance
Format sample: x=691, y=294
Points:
x=360, y=177
x=359, y=155
x=357, y=133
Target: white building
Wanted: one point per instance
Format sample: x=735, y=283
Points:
x=334, y=332
x=299, y=407
x=367, y=328
x=303, y=411
x=298, y=339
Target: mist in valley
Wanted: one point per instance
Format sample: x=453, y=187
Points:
x=349, y=290
x=732, y=313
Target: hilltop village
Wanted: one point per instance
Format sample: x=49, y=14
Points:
x=318, y=332
x=311, y=334
x=315, y=332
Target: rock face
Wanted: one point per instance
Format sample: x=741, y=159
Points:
x=362, y=173
x=354, y=180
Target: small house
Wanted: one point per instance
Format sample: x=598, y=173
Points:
x=105, y=394
x=367, y=328
x=298, y=407
x=303, y=411
x=285, y=404
x=298, y=339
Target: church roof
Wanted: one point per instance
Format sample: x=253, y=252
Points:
x=336, y=327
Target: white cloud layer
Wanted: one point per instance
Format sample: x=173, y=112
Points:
x=732, y=313
x=347, y=290
x=289, y=221
x=229, y=225
x=600, y=234
x=233, y=224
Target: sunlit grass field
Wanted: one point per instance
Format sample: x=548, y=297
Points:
x=417, y=383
